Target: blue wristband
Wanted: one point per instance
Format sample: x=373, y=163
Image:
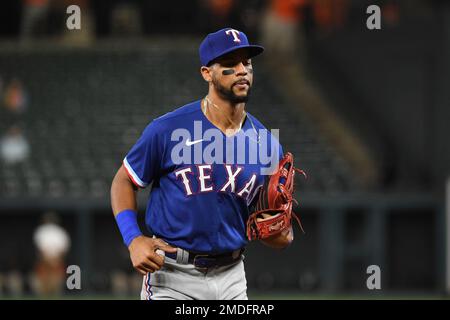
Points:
x=128, y=225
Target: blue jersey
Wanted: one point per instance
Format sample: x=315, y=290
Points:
x=203, y=181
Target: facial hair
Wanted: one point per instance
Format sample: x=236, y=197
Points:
x=228, y=94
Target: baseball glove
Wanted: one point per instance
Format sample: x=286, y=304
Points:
x=273, y=210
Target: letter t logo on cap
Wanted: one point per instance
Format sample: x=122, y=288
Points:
x=235, y=34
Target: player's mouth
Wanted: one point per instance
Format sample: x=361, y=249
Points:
x=242, y=84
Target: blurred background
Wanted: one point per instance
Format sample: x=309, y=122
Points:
x=365, y=112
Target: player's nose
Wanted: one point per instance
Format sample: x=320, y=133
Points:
x=241, y=69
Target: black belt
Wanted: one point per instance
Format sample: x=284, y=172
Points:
x=204, y=261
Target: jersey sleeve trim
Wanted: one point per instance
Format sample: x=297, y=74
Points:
x=133, y=176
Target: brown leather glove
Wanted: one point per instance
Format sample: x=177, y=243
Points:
x=273, y=212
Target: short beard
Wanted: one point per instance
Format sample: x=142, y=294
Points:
x=229, y=95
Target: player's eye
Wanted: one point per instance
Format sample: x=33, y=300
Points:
x=228, y=64
x=232, y=64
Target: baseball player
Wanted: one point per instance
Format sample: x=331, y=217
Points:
x=204, y=164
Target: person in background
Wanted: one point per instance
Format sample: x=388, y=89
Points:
x=14, y=147
x=281, y=29
x=52, y=242
x=330, y=15
x=214, y=14
x=34, y=14
x=15, y=97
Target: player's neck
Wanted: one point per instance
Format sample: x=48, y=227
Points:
x=222, y=113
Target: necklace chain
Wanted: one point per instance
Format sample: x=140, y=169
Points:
x=207, y=101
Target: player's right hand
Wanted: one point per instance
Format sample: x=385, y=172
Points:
x=143, y=253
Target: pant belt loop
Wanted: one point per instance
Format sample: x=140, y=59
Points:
x=182, y=256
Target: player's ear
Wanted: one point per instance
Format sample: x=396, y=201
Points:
x=206, y=73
